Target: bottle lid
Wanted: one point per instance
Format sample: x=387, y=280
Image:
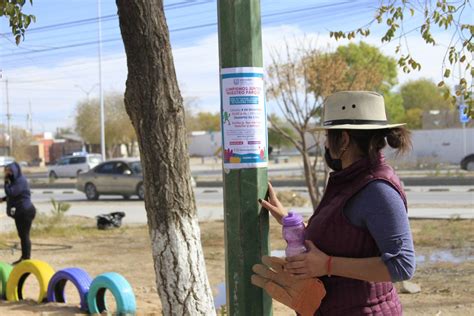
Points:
x=292, y=219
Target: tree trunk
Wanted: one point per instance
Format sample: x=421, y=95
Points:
x=155, y=106
x=111, y=150
x=310, y=180
x=309, y=173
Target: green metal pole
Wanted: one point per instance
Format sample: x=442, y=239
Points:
x=246, y=226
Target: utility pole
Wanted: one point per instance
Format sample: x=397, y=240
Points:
x=30, y=116
x=101, y=91
x=245, y=155
x=9, y=125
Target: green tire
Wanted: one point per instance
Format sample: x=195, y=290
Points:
x=5, y=270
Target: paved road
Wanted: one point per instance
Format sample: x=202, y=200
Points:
x=210, y=175
x=423, y=202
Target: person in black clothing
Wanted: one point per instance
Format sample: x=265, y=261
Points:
x=19, y=206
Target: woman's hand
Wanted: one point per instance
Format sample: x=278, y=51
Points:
x=308, y=265
x=273, y=205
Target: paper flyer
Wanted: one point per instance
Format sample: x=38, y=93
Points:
x=244, y=118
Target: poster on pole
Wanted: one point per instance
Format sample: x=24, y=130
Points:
x=243, y=118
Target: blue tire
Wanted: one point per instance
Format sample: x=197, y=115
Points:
x=120, y=289
x=5, y=270
x=78, y=277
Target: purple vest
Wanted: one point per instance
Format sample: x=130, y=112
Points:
x=331, y=232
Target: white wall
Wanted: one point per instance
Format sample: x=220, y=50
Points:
x=431, y=146
x=440, y=145
x=204, y=144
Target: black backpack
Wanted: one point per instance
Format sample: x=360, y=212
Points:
x=108, y=221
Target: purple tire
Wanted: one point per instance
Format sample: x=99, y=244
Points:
x=78, y=277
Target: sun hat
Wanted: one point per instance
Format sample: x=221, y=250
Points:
x=355, y=110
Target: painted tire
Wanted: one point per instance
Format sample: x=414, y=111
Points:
x=78, y=277
x=5, y=270
x=40, y=269
x=120, y=289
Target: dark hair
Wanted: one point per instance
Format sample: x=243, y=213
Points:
x=371, y=142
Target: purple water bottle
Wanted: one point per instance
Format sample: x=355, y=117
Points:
x=293, y=233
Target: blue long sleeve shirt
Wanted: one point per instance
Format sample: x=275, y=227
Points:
x=379, y=208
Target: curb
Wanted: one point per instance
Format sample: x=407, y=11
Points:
x=212, y=189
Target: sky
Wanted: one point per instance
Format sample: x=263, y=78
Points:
x=57, y=64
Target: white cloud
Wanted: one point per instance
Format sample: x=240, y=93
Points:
x=54, y=91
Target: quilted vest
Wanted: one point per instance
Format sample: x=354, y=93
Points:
x=331, y=232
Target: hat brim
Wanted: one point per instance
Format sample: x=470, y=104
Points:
x=356, y=126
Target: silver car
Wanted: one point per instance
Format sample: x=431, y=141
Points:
x=114, y=177
x=73, y=165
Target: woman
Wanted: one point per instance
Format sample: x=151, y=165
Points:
x=19, y=206
x=358, y=239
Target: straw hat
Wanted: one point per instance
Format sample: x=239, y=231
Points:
x=355, y=110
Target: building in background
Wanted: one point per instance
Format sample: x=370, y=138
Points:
x=46, y=150
x=438, y=119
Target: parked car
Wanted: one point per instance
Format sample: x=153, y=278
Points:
x=114, y=177
x=5, y=160
x=71, y=166
x=468, y=163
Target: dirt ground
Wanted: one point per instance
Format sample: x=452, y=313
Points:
x=447, y=288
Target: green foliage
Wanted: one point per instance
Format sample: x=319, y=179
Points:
x=206, y=121
x=365, y=60
x=413, y=118
x=442, y=15
x=421, y=96
x=352, y=67
x=425, y=95
x=275, y=138
x=19, y=22
x=203, y=121
x=118, y=127
x=222, y=311
x=200, y=121
x=59, y=208
x=394, y=107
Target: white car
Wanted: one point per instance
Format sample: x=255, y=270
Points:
x=71, y=166
x=5, y=160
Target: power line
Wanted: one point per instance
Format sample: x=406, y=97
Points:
x=106, y=18
x=187, y=28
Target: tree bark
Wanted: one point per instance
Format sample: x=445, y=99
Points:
x=155, y=106
x=309, y=173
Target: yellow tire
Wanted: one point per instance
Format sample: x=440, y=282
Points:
x=40, y=269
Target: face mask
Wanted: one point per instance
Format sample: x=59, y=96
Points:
x=334, y=164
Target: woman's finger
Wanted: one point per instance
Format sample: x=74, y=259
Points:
x=273, y=209
x=295, y=265
x=303, y=276
x=296, y=258
x=298, y=271
x=271, y=192
x=268, y=206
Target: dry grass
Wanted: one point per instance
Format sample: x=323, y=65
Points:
x=453, y=233
x=446, y=287
x=292, y=199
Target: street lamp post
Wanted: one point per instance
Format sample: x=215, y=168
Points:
x=101, y=93
x=86, y=92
